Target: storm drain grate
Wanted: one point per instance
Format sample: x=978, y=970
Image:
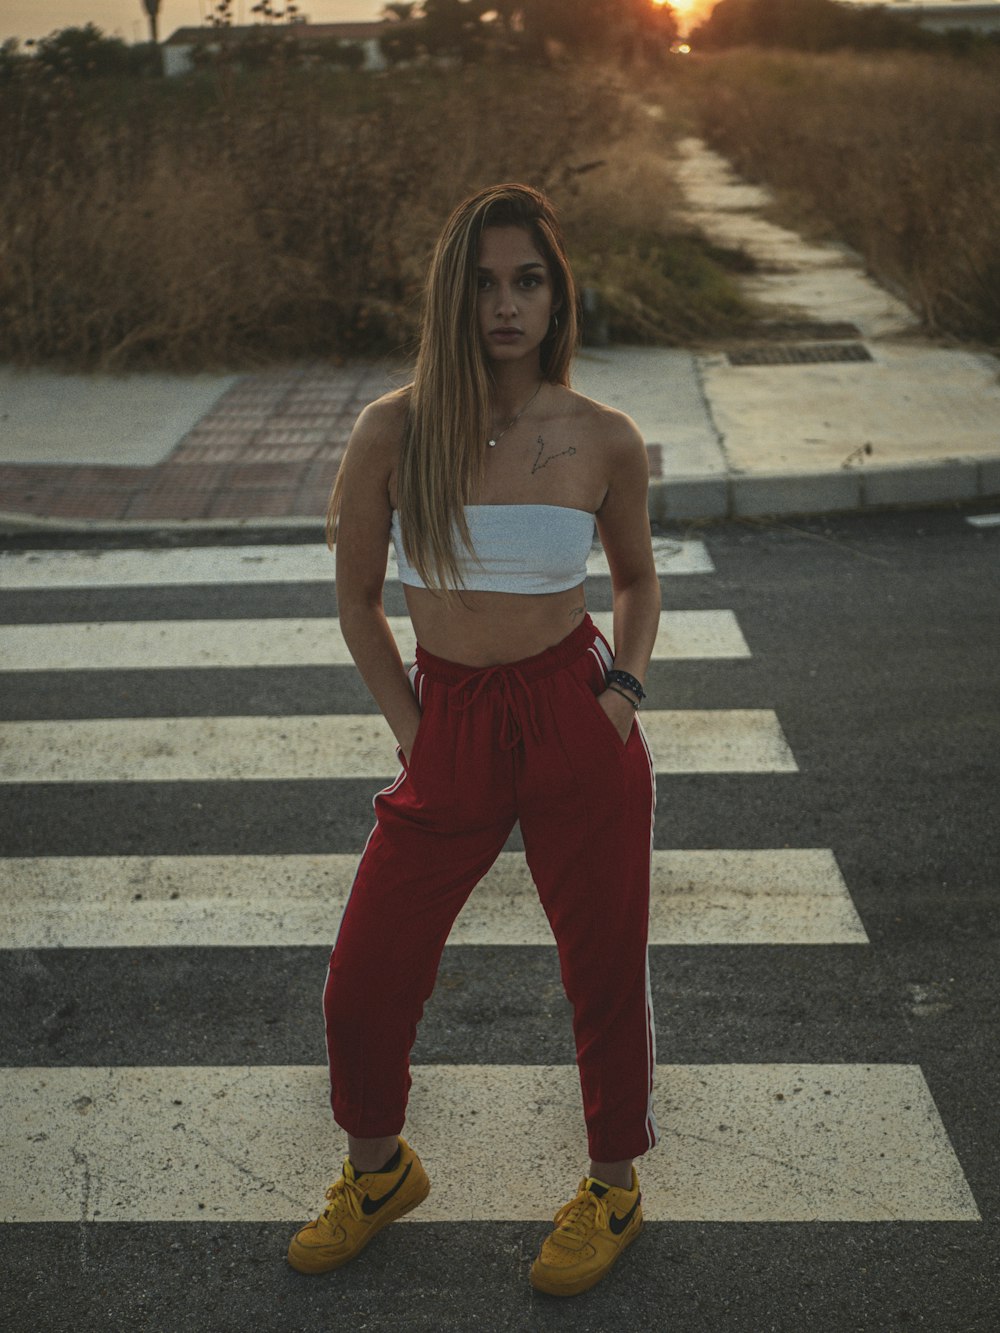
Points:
x=811, y=330
x=799, y=356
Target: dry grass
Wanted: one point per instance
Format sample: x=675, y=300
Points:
x=236, y=220
x=900, y=152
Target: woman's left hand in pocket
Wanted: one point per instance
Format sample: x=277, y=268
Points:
x=620, y=711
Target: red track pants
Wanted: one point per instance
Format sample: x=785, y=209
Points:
x=524, y=741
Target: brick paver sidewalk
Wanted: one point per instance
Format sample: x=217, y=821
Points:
x=270, y=447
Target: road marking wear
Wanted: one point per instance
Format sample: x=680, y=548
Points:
x=703, y=897
x=145, y=645
x=340, y=745
x=741, y=1143
x=309, y=562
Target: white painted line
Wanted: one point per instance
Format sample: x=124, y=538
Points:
x=766, y=896
x=670, y=555
x=344, y=745
x=784, y=896
x=162, y=568
x=741, y=1143
x=735, y=740
x=312, y=563
x=115, y=645
x=983, y=520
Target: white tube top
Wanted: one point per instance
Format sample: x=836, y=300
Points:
x=525, y=548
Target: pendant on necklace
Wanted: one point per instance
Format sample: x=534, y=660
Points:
x=492, y=443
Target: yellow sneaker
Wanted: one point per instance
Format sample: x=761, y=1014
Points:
x=359, y=1207
x=591, y=1232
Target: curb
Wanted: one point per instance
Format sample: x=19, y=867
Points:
x=671, y=500
x=15, y=525
x=763, y=495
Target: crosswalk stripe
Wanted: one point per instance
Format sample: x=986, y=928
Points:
x=165, y=644
x=344, y=745
x=741, y=1143
x=307, y=563
x=781, y=896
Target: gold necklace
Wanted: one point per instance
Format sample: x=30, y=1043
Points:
x=493, y=443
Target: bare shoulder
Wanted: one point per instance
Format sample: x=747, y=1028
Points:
x=605, y=427
x=378, y=431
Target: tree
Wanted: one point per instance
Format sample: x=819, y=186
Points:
x=401, y=39
x=454, y=27
x=806, y=25
x=270, y=13
x=83, y=52
x=152, y=8
x=627, y=27
x=12, y=61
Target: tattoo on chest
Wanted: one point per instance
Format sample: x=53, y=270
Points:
x=541, y=462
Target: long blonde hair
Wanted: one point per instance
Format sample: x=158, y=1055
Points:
x=449, y=414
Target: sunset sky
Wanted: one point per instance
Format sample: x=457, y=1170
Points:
x=127, y=18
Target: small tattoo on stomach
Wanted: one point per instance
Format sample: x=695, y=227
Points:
x=540, y=462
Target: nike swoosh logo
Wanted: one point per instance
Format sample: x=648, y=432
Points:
x=618, y=1224
x=370, y=1205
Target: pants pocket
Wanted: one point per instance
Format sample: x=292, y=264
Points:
x=417, y=745
x=607, y=725
x=418, y=684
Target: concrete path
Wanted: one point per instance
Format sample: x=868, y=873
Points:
x=849, y=407
x=808, y=429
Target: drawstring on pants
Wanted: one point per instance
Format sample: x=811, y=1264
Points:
x=511, y=730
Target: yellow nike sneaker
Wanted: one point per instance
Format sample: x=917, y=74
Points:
x=358, y=1207
x=591, y=1232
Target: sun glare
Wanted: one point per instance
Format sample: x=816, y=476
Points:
x=685, y=9
x=689, y=14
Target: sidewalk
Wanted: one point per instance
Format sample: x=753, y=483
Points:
x=845, y=407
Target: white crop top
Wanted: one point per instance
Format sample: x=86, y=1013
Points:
x=533, y=548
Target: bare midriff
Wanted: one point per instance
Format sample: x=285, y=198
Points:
x=491, y=628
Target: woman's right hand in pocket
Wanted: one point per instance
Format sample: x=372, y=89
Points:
x=406, y=741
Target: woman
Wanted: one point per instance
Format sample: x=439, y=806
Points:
x=488, y=473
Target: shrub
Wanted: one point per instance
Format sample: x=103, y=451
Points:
x=899, y=152
x=237, y=218
x=83, y=53
x=807, y=25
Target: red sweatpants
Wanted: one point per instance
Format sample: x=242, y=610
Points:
x=524, y=741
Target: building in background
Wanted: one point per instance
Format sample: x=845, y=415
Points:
x=178, y=48
x=951, y=15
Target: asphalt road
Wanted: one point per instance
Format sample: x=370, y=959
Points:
x=875, y=640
